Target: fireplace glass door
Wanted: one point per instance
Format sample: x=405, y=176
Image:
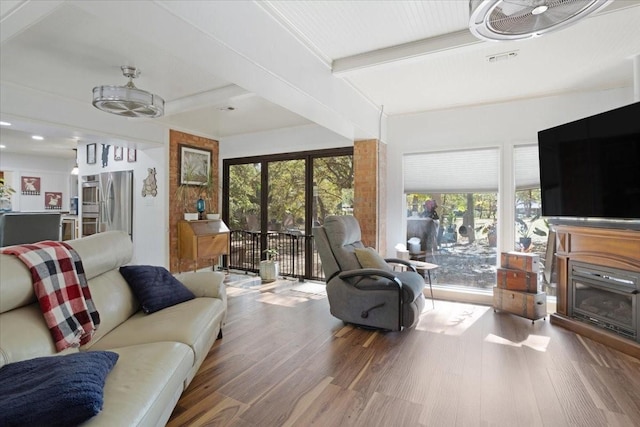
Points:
x=605, y=298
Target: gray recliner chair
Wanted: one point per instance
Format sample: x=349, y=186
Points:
x=371, y=297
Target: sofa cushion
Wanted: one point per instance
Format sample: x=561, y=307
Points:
x=54, y=390
x=145, y=385
x=155, y=287
x=194, y=323
x=369, y=258
x=103, y=252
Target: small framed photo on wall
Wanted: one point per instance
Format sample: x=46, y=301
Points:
x=131, y=155
x=91, y=154
x=117, y=153
x=195, y=165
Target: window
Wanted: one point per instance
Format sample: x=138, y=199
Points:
x=463, y=185
x=273, y=202
x=532, y=231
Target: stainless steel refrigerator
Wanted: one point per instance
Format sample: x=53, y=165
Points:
x=116, y=201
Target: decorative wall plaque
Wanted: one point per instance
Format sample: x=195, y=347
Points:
x=30, y=186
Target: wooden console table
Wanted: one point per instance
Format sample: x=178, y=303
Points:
x=599, y=246
x=204, y=239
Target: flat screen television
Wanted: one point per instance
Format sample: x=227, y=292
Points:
x=590, y=168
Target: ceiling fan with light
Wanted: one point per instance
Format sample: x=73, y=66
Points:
x=128, y=100
x=499, y=20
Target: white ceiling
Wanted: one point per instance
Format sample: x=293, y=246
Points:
x=280, y=64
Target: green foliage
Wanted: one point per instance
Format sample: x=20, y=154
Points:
x=333, y=178
x=244, y=193
x=186, y=195
x=528, y=230
x=286, y=190
x=5, y=189
x=272, y=254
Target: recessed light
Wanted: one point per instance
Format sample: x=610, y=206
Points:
x=37, y=137
x=3, y=146
x=5, y=124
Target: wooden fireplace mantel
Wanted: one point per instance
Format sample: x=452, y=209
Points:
x=599, y=246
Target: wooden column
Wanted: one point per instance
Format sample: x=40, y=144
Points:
x=370, y=164
x=175, y=209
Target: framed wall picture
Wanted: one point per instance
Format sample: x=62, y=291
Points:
x=117, y=153
x=195, y=165
x=52, y=200
x=91, y=154
x=30, y=185
x=131, y=155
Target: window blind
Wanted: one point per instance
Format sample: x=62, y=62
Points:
x=466, y=171
x=527, y=167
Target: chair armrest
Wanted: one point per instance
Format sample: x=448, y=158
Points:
x=371, y=273
x=403, y=262
x=208, y=284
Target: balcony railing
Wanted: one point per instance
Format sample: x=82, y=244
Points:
x=292, y=248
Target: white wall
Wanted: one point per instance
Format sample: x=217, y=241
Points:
x=150, y=214
x=54, y=173
x=497, y=125
x=300, y=138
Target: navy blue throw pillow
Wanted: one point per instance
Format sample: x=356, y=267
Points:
x=54, y=390
x=155, y=287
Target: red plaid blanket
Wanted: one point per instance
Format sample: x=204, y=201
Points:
x=62, y=291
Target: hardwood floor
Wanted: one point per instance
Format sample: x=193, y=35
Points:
x=285, y=361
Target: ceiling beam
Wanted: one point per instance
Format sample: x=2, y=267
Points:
x=209, y=98
x=431, y=45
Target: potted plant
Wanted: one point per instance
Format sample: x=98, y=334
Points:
x=5, y=196
x=492, y=233
x=269, y=266
x=186, y=197
x=208, y=193
x=526, y=232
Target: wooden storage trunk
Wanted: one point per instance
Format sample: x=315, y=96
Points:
x=520, y=261
x=523, y=304
x=517, y=280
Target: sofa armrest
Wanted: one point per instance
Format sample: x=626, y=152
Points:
x=208, y=284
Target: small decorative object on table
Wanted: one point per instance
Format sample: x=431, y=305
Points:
x=200, y=208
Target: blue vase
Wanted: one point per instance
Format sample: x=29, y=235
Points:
x=200, y=208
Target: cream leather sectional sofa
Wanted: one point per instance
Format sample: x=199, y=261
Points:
x=159, y=353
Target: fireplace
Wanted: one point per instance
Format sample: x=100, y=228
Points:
x=605, y=297
x=598, y=271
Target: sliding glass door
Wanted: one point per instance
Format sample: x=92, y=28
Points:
x=301, y=190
